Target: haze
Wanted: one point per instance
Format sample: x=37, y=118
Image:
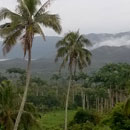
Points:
x=90, y=16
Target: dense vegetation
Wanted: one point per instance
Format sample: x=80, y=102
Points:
x=99, y=99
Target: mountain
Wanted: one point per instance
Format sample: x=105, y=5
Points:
x=40, y=49
x=108, y=54
x=107, y=48
x=46, y=49
x=47, y=66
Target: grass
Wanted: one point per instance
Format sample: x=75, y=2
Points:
x=55, y=120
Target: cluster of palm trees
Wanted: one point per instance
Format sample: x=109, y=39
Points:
x=27, y=22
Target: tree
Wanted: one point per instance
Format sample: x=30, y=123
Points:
x=39, y=84
x=16, y=71
x=17, y=75
x=117, y=118
x=55, y=77
x=72, y=49
x=9, y=103
x=114, y=79
x=2, y=78
x=23, y=25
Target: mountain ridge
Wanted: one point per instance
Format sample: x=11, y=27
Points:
x=46, y=49
x=44, y=53
x=47, y=66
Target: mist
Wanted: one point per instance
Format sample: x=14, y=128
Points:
x=112, y=41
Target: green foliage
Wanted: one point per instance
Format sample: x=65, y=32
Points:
x=55, y=120
x=95, y=85
x=38, y=81
x=127, y=107
x=45, y=103
x=84, y=126
x=15, y=70
x=9, y=104
x=73, y=52
x=117, y=119
x=84, y=116
x=2, y=78
x=112, y=75
x=84, y=120
x=102, y=127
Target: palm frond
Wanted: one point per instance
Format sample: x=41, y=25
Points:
x=43, y=8
x=85, y=42
x=61, y=52
x=32, y=5
x=50, y=20
x=10, y=28
x=6, y=13
x=38, y=30
x=65, y=60
x=10, y=40
x=61, y=43
x=29, y=121
x=23, y=10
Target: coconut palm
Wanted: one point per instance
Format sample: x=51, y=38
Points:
x=9, y=103
x=24, y=24
x=72, y=49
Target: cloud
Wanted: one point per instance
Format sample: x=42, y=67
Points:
x=90, y=16
x=119, y=41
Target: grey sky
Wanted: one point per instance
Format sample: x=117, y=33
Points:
x=90, y=16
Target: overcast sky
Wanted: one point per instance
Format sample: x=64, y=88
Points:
x=90, y=16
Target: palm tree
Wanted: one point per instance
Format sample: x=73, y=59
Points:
x=24, y=24
x=9, y=103
x=39, y=83
x=72, y=49
x=56, y=77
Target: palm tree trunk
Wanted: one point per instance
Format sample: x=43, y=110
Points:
x=112, y=98
x=73, y=95
x=87, y=100
x=120, y=95
x=25, y=92
x=98, y=101
x=96, y=105
x=116, y=94
x=37, y=91
x=83, y=99
x=67, y=100
x=105, y=104
x=102, y=105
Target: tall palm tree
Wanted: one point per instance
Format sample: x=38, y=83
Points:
x=72, y=49
x=24, y=24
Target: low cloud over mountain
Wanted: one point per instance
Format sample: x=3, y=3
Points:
x=107, y=48
x=46, y=49
x=119, y=39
